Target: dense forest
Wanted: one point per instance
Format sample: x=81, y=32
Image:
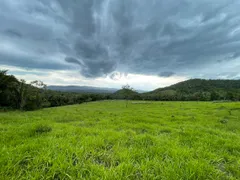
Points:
x=17, y=94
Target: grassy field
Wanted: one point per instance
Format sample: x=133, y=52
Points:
x=106, y=140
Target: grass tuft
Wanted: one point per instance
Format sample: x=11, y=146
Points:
x=41, y=129
x=224, y=121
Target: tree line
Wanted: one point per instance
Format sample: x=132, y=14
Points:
x=17, y=94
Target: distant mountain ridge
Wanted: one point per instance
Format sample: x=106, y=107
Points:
x=85, y=89
x=82, y=89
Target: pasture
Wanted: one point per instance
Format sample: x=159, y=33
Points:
x=107, y=140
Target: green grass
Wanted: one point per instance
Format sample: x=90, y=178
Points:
x=106, y=140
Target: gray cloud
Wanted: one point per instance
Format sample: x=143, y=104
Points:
x=103, y=36
x=13, y=33
x=166, y=74
x=73, y=61
x=29, y=62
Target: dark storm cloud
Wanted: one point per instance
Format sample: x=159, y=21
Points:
x=13, y=33
x=104, y=36
x=30, y=62
x=73, y=61
x=166, y=74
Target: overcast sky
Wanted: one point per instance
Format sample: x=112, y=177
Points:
x=145, y=43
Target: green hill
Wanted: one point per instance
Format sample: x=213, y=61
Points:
x=193, y=85
x=126, y=94
x=198, y=89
